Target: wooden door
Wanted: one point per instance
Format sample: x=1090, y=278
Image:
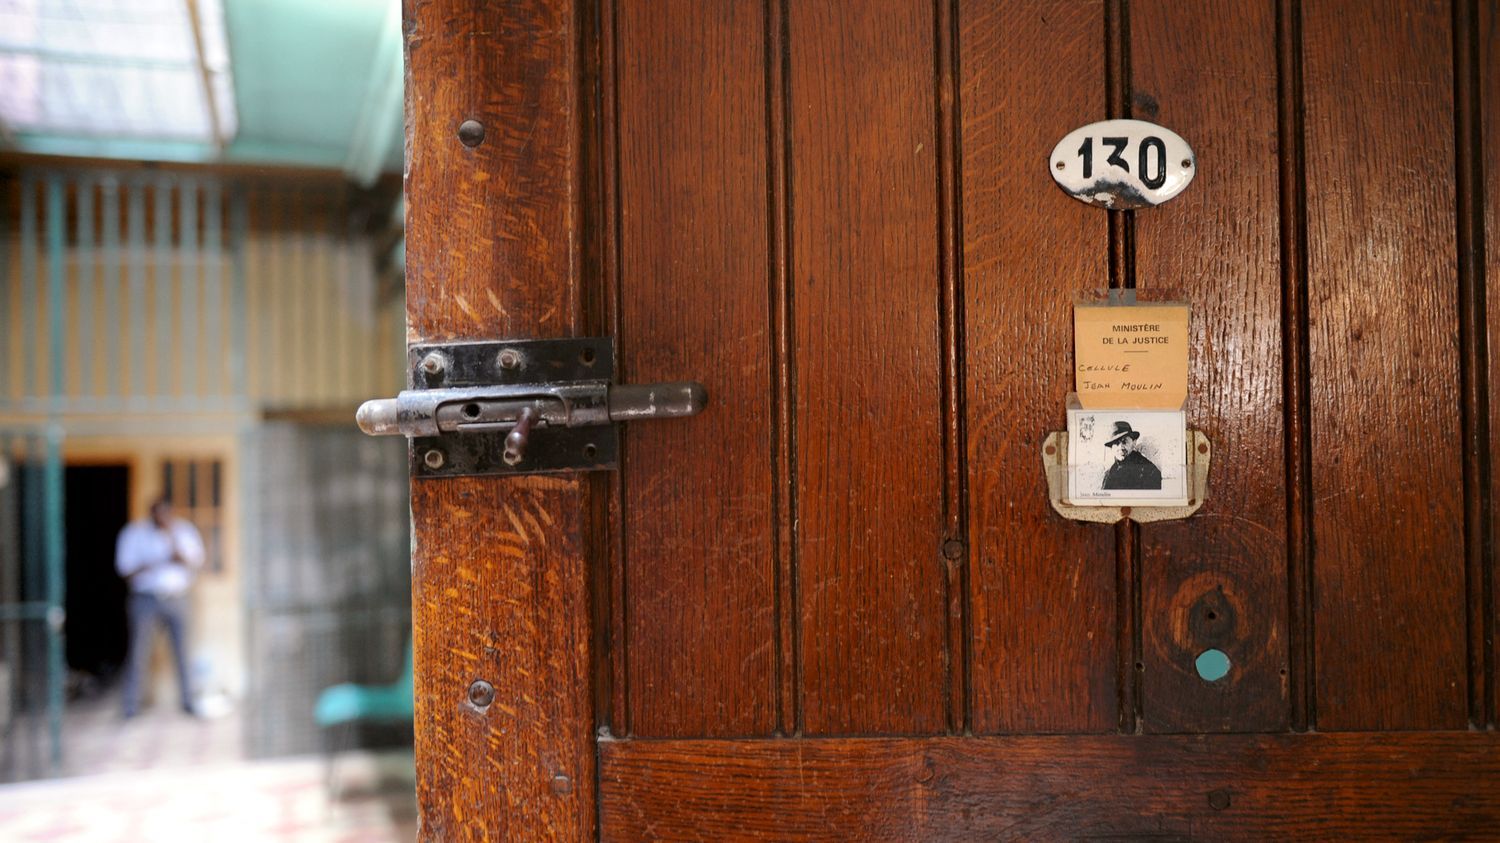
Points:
x=838, y=605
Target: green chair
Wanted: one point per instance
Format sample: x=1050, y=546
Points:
x=342, y=707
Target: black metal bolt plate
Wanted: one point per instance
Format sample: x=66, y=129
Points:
x=551, y=449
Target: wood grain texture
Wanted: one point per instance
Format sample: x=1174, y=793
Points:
x=1240, y=787
x=1388, y=512
x=864, y=231
x=1488, y=56
x=699, y=539
x=1218, y=580
x=499, y=584
x=1042, y=589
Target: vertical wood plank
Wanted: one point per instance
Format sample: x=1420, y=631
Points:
x=700, y=610
x=955, y=468
x=8, y=288
x=240, y=309
x=1042, y=589
x=159, y=346
x=1473, y=365
x=112, y=258
x=134, y=380
x=783, y=349
x=189, y=266
x=1488, y=118
x=1217, y=580
x=56, y=384
x=1382, y=312
x=865, y=282
x=214, y=333
x=30, y=314
x=87, y=288
x=499, y=586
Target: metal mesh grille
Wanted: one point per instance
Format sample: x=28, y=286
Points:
x=328, y=582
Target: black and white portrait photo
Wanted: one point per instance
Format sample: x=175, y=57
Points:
x=1131, y=469
x=1127, y=457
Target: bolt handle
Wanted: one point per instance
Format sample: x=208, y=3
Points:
x=519, y=436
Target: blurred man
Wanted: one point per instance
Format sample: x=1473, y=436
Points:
x=157, y=556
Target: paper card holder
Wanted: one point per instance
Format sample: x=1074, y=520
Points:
x=1055, y=463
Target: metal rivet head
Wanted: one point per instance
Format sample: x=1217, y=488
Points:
x=509, y=358
x=953, y=549
x=434, y=363
x=481, y=693
x=471, y=133
x=433, y=458
x=561, y=784
x=1218, y=800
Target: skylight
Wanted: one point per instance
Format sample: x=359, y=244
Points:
x=116, y=69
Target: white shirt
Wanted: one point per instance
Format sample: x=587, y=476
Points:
x=145, y=548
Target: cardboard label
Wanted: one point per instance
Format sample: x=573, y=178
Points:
x=1131, y=356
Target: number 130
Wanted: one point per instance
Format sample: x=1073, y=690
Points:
x=1152, y=152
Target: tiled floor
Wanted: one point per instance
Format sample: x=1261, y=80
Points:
x=281, y=800
x=166, y=777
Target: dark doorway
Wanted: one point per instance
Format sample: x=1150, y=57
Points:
x=97, y=507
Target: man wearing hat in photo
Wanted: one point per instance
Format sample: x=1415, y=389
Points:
x=1131, y=469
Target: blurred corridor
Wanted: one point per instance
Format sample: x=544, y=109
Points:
x=200, y=278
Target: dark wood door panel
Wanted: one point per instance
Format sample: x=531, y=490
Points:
x=1219, y=579
x=1042, y=590
x=699, y=552
x=865, y=292
x=1223, y=787
x=1387, y=491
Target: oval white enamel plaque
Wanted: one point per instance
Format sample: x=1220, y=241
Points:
x=1123, y=164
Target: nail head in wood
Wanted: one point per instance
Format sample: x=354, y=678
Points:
x=471, y=133
x=481, y=693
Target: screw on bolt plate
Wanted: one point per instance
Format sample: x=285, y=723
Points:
x=434, y=363
x=433, y=458
x=509, y=358
x=481, y=693
x=561, y=784
x=1218, y=799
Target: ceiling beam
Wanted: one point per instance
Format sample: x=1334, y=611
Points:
x=205, y=75
x=377, y=129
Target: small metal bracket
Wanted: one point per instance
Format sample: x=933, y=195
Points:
x=518, y=407
x=1055, y=461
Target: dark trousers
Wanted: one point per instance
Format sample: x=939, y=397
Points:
x=146, y=611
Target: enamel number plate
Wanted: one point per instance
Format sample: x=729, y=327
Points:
x=1123, y=164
